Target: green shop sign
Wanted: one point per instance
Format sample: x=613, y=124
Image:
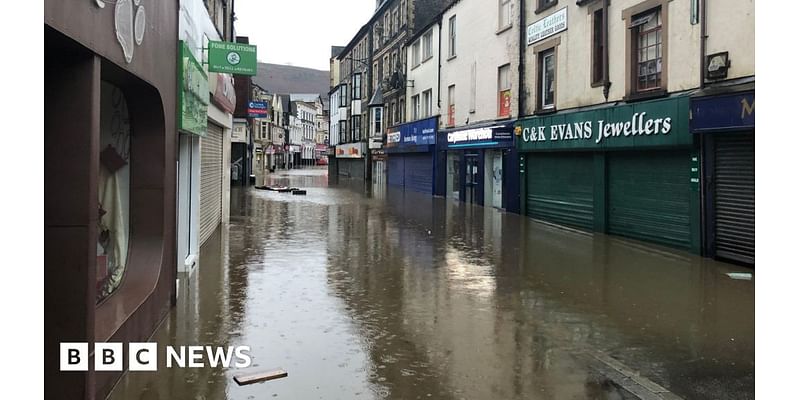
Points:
x=192, y=94
x=663, y=122
x=232, y=58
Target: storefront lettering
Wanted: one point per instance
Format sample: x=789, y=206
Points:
x=638, y=125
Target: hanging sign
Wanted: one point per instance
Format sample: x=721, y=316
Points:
x=193, y=94
x=232, y=58
x=257, y=109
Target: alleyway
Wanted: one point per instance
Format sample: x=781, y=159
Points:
x=403, y=296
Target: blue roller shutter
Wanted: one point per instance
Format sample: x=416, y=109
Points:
x=396, y=172
x=419, y=172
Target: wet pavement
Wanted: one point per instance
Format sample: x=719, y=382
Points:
x=370, y=293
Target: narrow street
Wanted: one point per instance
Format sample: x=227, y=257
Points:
x=363, y=294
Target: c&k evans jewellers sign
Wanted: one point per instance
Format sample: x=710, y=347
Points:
x=654, y=123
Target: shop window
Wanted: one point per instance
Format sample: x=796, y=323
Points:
x=504, y=91
x=451, y=105
x=647, y=50
x=547, y=80
x=113, y=206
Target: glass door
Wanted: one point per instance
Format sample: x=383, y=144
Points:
x=471, y=181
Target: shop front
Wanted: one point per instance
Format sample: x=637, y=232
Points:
x=630, y=170
x=109, y=179
x=725, y=124
x=411, y=153
x=481, y=165
x=350, y=159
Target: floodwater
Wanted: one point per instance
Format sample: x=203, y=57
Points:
x=370, y=293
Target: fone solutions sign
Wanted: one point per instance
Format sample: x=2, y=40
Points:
x=232, y=58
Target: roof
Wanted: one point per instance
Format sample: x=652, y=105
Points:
x=377, y=98
x=305, y=97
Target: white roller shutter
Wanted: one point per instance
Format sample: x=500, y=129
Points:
x=210, y=181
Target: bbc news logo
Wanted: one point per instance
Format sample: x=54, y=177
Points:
x=144, y=356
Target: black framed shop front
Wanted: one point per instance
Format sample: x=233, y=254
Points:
x=724, y=120
x=411, y=154
x=481, y=165
x=630, y=170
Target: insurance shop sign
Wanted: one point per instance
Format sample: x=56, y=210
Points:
x=646, y=124
x=232, y=58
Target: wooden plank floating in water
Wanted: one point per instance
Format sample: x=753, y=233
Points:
x=249, y=378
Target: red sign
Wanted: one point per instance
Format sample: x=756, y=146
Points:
x=505, y=103
x=451, y=115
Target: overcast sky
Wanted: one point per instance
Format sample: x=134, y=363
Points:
x=300, y=32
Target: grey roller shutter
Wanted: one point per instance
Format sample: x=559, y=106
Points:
x=735, y=197
x=210, y=181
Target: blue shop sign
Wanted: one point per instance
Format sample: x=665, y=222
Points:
x=483, y=137
x=413, y=135
x=257, y=109
x=723, y=113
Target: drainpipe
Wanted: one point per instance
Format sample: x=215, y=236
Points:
x=703, y=38
x=606, y=81
x=439, y=76
x=523, y=44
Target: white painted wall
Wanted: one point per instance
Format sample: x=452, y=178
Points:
x=478, y=42
x=425, y=75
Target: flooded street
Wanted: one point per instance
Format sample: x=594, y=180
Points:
x=369, y=293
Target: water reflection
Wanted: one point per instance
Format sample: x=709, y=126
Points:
x=363, y=291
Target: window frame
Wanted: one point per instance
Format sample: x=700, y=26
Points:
x=541, y=77
x=597, y=67
x=415, y=107
x=427, y=45
x=503, y=88
x=543, y=5
x=356, y=95
x=452, y=37
x=451, y=105
x=628, y=15
x=501, y=4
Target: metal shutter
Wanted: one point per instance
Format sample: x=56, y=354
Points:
x=210, y=181
x=649, y=197
x=419, y=173
x=560, y=189
x=396, y=172
x=735, y=197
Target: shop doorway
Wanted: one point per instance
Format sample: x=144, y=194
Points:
x=493, y=179
x=471, y=181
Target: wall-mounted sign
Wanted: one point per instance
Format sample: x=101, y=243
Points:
x=257, y=109
x=417, y=133
x=547, y=26
x=727, y=112
x=654, y=123
x=350, y=150
x=232, y=58
x=193, y=94
x=490, y=136
x=224, y=93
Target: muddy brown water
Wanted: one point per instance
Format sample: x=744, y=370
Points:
x=363, y=292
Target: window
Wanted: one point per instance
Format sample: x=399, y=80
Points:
x=356, y=128
x=376, y=37
x=375, y=76
x=545, y=4
x=415, y=53
x=451, y=105
x=547, y=80
x=402, y=110
x=357, y=87
x=451, y=52
x=386, y=66
x=504, y=91
x=395, y=20
x=377, y=121
x=387, y=27
x=343, y=96
x=415, y=107
x=427, y=102
x=263, y=134
x=647, y=50
x=505, y=14
x=473, y=85
x=403, y=12
x=391, y=121
x=427, y=45
x=597, y=47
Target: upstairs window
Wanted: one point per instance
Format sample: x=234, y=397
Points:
x=357, y=87
x=597, y=47
x=647, y=50
x=505, y=14
x=504, y=91
x=451, y=51
x=451, y=105
x=547, y=80
x=427, y=103
x=427, y=45
x=415, y=54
